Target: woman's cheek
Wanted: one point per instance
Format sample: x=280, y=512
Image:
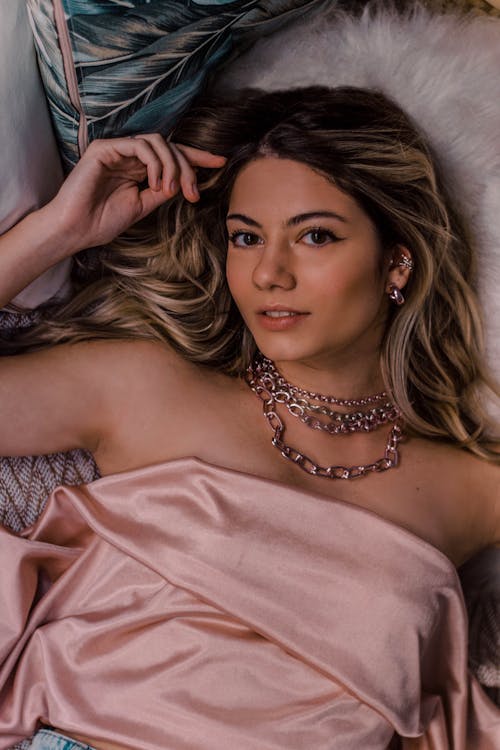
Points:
x=236, y=284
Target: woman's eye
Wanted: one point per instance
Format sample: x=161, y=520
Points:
x=320, y=237
x=243, y=239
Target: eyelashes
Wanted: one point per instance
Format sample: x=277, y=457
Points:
x=331, y=237
x=325, y=233
x=234, y=235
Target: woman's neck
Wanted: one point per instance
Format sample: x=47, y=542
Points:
x=343, y=380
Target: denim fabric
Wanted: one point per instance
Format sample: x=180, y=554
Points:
x=46, y=739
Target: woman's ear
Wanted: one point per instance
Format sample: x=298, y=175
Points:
x=400, y=266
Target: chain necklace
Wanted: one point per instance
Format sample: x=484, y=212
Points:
x=339, y=422
x=342, y=423
x=265, y=366
x=265, y=381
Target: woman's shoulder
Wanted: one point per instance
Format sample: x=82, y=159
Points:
x=73, y=394
x=138, y=371
x=474, y=483
x=446, y=458
x=124, y=348
x=133, y=361
x=488, y=478
x=458, y=491
x=151, y=395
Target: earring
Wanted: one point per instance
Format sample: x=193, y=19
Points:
x=405, y=262
x=395, y=295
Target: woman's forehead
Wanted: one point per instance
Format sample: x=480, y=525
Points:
x=278, y=183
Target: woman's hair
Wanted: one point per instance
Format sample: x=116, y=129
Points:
x=167, y=281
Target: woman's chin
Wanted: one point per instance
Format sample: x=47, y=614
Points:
x=285, y=351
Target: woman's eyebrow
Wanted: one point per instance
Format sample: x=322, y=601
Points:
x=293, y=221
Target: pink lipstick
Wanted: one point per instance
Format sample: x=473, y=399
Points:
x=279, y=317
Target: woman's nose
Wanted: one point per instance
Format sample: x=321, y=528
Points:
x=274, y=267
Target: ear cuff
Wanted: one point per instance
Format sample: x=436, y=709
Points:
x=405, y=263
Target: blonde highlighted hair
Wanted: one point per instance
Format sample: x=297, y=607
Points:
x=166, y=279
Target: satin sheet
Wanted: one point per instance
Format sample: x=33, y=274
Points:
x=185, y=606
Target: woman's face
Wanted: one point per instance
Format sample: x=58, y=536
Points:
x=298, y=242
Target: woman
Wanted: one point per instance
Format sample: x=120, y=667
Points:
x=259, y=567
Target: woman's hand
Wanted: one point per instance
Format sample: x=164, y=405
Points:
x=102, y=196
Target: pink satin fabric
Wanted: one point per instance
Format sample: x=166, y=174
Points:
x=188, y=606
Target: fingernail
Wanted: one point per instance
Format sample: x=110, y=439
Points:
x=173, y=186
x=194, y=190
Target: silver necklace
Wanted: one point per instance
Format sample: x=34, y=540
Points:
x=339, y=423
x=265, y=381
x=266, y=366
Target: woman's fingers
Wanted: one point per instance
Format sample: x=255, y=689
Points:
x=200, y=158
x=169, y=178
x=168, y=165
x=177, y=171
x=190, y=157
x=177, y=161
x=113, y=152
x=151, y=199
x=187, y=175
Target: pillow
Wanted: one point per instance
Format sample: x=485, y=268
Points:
x=29, y=161
x=116, y=68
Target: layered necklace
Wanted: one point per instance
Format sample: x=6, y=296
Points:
x=366, y=414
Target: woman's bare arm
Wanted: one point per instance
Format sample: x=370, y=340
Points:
x=53, y=400
x=61, y=397
x=100, y=199
x=27, y=250
x=71, y=395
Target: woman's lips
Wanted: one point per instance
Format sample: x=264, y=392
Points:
x=281, y=323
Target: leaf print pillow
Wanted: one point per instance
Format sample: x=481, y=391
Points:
x=118, y=67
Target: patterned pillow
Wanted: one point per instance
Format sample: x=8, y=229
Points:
x=117, y=67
